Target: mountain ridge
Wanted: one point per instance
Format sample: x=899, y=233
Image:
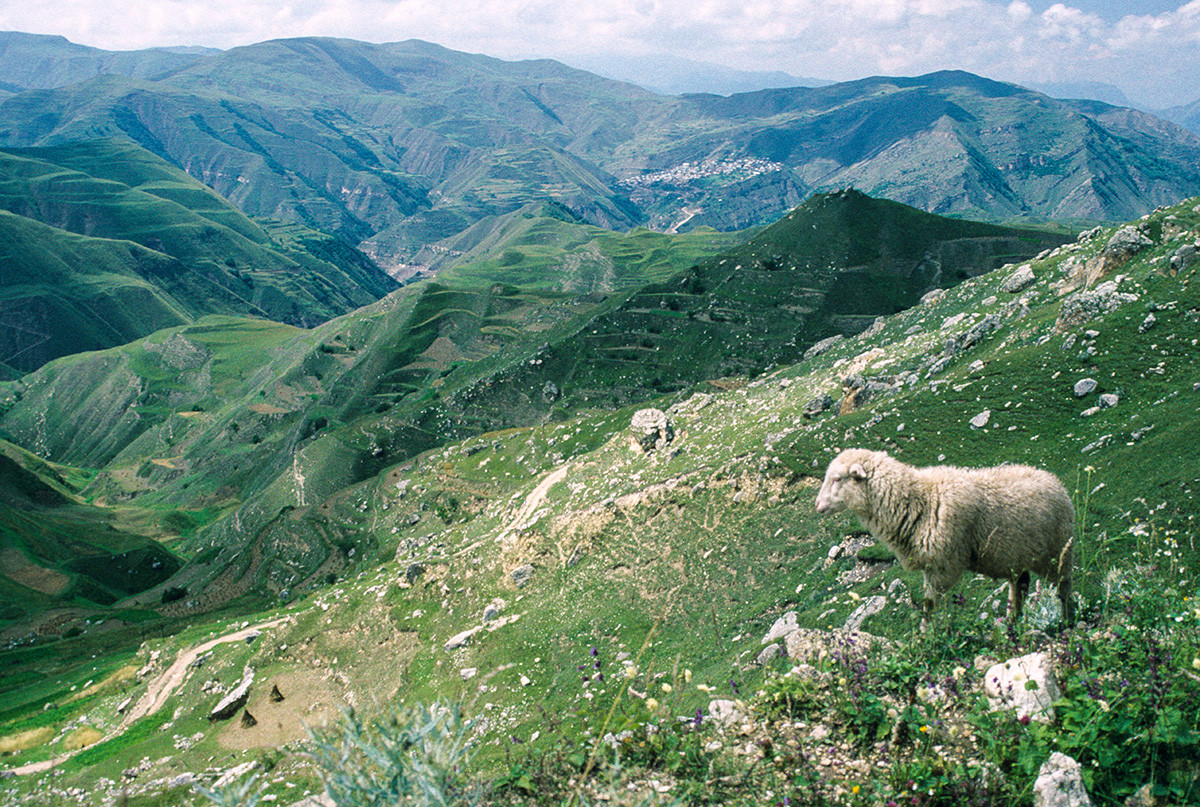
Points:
x=433, y=141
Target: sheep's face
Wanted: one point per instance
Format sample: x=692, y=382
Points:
x=845, y=486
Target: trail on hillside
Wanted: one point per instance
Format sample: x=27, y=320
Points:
x=158, y=690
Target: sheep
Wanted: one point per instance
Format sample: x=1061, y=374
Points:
x=1003, y=522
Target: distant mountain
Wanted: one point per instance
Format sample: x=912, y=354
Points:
x=104, y=242
x=398, y=147
x=670, y=75
x=37, y=62
x=1187, y=116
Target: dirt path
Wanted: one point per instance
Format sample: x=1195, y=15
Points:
x=163, y=686
x=535, y=499
x=159, y=689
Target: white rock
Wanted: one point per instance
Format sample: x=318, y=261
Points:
x=1060, y=784
x=460, y=639
x=981, y=420
x=468, y=673
x=725, y=712
x=1085, y=386
x=1025, y=684
x=872, y=605
x=782, y=627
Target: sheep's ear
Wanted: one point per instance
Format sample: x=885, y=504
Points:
x=858, y=471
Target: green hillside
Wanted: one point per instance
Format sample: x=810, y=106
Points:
x=562, y=583
x=104, y=243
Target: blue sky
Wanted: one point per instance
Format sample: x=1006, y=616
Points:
x=1150, y=50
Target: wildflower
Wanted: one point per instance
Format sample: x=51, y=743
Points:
x=959, y=672
x=706, y=688
x=698, y=719
x=666, y=688
x=1196, y=663
x=924, y=729
x=652, y=704
x=631, y=671
x=854, y=790
x=595, y=652
x=687, y=676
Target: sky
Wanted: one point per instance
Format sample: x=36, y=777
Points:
x=1150, y=50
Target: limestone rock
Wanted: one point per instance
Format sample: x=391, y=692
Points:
x=1018, y=280
x=1108, y=400
x=1084, y=306
x=235, y=699
x=782, y=627
x=652, y=430
x=725, y=712
x=1148, y=323
x=822, y=346
x=1025, y=684
x=1085, y=386
x=1060, y=784
x=871, y=605
x=981, y=420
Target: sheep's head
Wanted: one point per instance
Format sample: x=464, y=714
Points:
x=845, y=485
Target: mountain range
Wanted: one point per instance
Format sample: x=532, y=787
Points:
x=398, y=147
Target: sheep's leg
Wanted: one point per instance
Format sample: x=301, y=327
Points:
x=1018, y=587
x=932, y=595
x=1064, y=597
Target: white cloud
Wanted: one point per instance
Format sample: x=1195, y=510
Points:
x=1149, y=56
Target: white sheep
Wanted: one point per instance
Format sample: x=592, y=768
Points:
x=1003, y=522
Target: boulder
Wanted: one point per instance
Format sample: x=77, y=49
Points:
x=1085, y=386
x=1060, y=784
x=1018, y=280
x=1025, y=684
x=235, y=699
x=652, y=430
x=981, y=420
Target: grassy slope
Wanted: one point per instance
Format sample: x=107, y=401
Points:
x=107, y=242
x=710, y=541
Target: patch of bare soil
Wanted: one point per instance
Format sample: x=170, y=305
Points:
x=309, y=700
x=23, y=571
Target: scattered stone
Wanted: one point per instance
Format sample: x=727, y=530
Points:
x=1108, y=400
x=521, y=575
x=1025, y=684
x=725, y=712
x=525, y=681
x=492, y=610
x=1182, y=258
x=651, y=429
x=1147, y=323
x=818, y=405
x=1088, y=304
x=1085, y=386
x=229, y=705
x=414, y=571
x=823, y=346
x=1018, y=280
x=981, y=420
x=805, y=644
x=468, y=673
x=932, y=296
x=976, y=366
x=460, y=639
x=550, y=392
x=872, y=605
x=783, y=626
x=1060, y=784
x=1087, y=413
x=771, y=651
